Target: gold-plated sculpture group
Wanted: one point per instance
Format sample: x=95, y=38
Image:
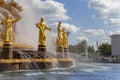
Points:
x=7, y=34
x=10, y=55
x=61, y=37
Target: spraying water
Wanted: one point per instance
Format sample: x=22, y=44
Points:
x=26, y=29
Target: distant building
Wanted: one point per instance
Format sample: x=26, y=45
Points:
x=115, y=43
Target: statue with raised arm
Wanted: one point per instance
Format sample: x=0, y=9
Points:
x=65, y=39
x=42, y=35
x=59, y=35
x=8, y=23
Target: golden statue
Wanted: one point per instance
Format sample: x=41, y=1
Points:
x=65, y=38
x=8, y=23
x=59, y=36
x=42, y=35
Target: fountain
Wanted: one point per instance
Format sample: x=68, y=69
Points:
x=16, y=56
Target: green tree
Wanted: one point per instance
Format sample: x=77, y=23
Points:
x=73, y=49
x=79, y=48
x=91, y=49
x=105, y=49
x=82, y=46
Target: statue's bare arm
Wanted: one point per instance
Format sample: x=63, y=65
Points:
x=16, y=20
x=47, y=28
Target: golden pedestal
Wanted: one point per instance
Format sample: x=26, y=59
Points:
x=7, y=53
x=42, y=51
x=42, y=54
x=60, y=53
x=65, y=52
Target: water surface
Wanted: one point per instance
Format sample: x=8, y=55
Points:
x=83, y=71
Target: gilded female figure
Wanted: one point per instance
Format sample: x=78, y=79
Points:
x=7, y=34
x=65, y=39
x=59, y=36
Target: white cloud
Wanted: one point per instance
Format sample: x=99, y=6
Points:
x=106, y=39
x=81, y=38
x=49, y=9
x=99, y=4
x=94, y=32
x=113, y=22
x=117, y=31
x=69, y=27
x=109, y=10
x=109, y=33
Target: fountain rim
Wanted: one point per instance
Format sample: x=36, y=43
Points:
x=36, y=60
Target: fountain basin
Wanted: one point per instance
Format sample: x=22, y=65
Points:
x=25, y=64
x=36, y=60
x=65, y=62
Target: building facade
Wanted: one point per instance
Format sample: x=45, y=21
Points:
x=115, y=43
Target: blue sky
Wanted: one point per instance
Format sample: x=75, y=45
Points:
x=81, y=15
x=92, y=20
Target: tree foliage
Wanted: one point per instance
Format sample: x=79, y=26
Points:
x=81, y=48
x=91, y=49
x=105, y=49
